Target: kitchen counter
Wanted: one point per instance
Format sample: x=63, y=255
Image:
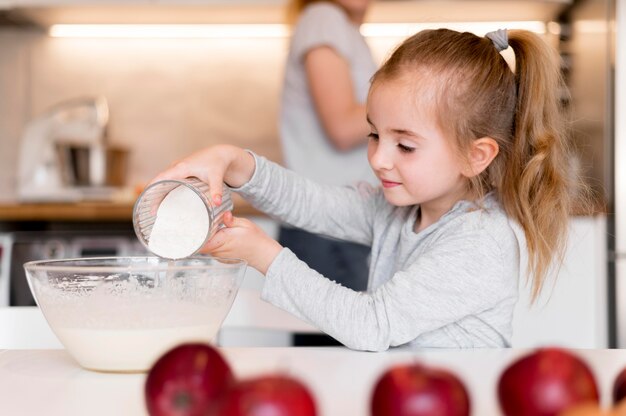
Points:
x=90, y=211
x=49, y=382
x=116, y=211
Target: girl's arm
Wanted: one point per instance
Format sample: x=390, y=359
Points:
x=451, y=284
x=343, y=212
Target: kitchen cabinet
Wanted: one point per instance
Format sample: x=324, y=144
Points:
x=88, y=211
x=47, y=12
x=60, y=3
x=83, y=211
x=25, y=327
x=182, y=3
x=28, y=3
x=49, y=382
x=572, y=310
x=6, y=4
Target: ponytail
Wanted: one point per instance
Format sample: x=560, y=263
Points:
x=537, y=186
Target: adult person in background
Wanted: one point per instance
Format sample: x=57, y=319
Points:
x=323, y=124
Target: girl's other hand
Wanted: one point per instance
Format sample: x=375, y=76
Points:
x=241, y=238
x=214, y=166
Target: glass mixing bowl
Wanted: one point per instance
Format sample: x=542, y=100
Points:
x=120, y=314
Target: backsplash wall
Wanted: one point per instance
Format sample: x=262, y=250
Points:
x=167, y=97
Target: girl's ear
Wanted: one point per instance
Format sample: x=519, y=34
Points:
x=482, y=152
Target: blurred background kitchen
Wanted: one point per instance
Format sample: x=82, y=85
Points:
x=90, y=111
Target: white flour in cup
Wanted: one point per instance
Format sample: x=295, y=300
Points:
x=181, y=225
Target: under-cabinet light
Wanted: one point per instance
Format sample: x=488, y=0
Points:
x=169, y=31
x=375, y=30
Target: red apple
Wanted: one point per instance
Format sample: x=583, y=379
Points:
x=275, y=395
x=186, y=380
x=546, y=382
x=417, y=390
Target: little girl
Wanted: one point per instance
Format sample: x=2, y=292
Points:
x=474, y=187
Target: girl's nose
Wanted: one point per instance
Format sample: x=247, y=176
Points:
x=380, y=158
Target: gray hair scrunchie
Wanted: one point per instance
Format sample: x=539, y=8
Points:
x=500, y=39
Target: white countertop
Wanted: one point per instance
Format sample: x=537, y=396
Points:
x=37, y=382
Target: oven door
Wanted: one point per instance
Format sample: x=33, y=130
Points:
x=6, y=242
x=29, y=246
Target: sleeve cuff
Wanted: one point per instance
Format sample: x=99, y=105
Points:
x=272, y=276
x=253, y=178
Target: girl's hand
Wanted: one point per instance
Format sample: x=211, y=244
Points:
x=243, y=239
x=214, y=166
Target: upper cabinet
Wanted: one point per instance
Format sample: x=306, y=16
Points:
x=47, y=12
x=64, y=3
x=6, y=4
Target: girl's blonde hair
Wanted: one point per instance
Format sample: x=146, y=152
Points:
x=477, y=95
x=295, y=7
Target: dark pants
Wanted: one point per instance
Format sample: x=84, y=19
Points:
x=344, y=262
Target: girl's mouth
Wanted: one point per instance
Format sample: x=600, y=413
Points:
x=389, y=184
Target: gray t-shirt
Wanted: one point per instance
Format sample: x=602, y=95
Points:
x=306, y=149
x=451, y=285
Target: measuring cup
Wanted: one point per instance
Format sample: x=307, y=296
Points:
x=173, y=219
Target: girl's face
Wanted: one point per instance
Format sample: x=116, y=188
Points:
x=408, y=152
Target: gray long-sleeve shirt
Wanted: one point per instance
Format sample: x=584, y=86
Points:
x=451, y=285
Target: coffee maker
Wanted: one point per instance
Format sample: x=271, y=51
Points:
x=63, y=153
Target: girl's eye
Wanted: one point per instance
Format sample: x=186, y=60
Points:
x=405, y=149
x=373, y=136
